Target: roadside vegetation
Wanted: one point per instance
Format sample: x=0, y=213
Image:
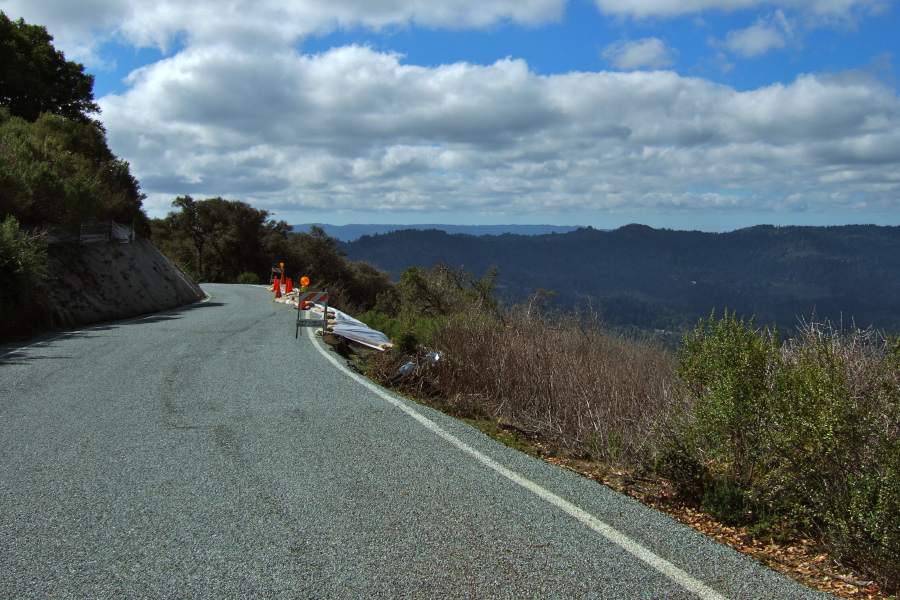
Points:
x=23, y=263
x=793, y=438
x=228, y=241
x=790, y=435
x=55, y=166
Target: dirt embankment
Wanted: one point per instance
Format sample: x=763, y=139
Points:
x=91, y=283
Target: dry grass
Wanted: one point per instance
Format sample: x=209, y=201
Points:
x=593, y=392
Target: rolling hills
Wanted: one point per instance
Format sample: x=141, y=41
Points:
x=640, y=277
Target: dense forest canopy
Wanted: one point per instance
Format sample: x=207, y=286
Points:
x=36, y=78
x=220, y=240
x=663, y=279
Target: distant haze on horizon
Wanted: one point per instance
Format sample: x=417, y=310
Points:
x=711, y=115
x=353, y=231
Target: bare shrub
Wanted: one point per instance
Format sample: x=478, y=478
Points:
x=593, y=391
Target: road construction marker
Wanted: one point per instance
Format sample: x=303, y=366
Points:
x=310, y=297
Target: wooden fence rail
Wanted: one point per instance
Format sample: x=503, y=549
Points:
x=89, y=232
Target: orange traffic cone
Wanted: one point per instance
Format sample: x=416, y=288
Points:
x=277, y=284
x=288, y=287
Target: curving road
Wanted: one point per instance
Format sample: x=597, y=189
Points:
x=206, y=453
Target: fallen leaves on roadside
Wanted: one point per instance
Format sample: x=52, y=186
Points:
x=803, y=560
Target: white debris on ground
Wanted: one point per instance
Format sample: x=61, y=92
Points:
x=345, y=326
x=340, y=323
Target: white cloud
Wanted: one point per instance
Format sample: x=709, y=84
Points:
x=236, y=111
x=829, y=9
x=641, y=9
x=650, y=53
x=766, y=34
x=354, y=129
x=80, y=27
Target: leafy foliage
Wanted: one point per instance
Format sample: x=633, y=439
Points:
x=445, y=290
x=425, y=299
x=23, y=262
x=55, y=165
x=805, y=434
x=59, y=170
x=220, y=240
x=248, y=279
x=35, y=78
x=217, y=240
x=729, y=364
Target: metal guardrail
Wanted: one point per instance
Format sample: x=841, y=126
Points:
x=89, y=232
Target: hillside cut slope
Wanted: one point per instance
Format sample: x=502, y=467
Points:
x=91, y=283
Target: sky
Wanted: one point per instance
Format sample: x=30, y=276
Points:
x=686, y=114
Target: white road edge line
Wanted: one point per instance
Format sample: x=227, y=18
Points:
x=675, y=574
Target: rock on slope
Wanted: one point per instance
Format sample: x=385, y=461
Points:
x=108, y=281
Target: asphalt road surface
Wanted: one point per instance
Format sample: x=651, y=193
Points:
x=206, y=453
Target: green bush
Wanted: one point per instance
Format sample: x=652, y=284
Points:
x=248, y=279
x=424, y=301
x=407, y=333
x=807, y=432
x=728, y=366
x=836, y=433
x=23, y=262
x=58, y=170
x=444, y=290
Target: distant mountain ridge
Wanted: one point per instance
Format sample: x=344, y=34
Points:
x=664, y=279
x=349, y=233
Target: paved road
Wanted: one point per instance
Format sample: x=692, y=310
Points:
x=206, y=453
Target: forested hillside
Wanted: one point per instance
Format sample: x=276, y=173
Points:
x=664, y=279
x=349, y=233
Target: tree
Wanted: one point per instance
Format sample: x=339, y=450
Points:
x=217, y=240
x=55, y=164
x=36, y=78
x=187, y=223
x=59, y=170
